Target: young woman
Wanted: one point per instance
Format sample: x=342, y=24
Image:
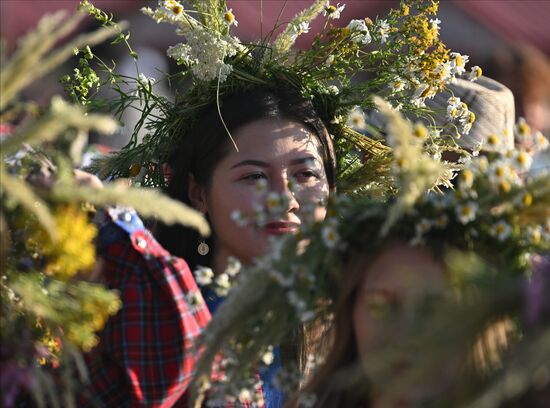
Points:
x=381, y=294
x=145, y=356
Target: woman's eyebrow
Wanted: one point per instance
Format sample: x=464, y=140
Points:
x=302, y=160
x=250, y=163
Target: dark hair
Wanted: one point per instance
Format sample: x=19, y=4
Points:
x=202, y=148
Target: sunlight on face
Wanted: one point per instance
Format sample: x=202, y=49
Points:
x=273, y=152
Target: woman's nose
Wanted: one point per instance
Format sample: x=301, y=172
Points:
x=283, y=186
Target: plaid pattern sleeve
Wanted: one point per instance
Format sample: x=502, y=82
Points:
x=145, y=356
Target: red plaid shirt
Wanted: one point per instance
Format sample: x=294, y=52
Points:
x=145, y=356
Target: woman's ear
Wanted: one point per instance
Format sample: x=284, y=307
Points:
x=197, y=195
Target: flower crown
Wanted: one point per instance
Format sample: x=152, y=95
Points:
x=401, y=55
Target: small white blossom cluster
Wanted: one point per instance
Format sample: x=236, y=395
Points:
x=501, y=173
x=205, y=53
x=206, y=50
x=222, y=283
x=459, y=114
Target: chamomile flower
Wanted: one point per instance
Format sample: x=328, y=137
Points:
x=521, y=160
x=541, y=142
x=525, y=199
x=522, y=130
x=298, y=29
x=475, y=73
x=273, y=202
x=383, y=30
x=420, y=132
x=494, y=142
x=466, y=179
x=333, y=11
x=397, y=85
x=359, y=31
x=534, y=234
x=356, y=119
x=229, y=18
x=268, y=357
x=260, y=187
x=434, y=25
x=330, y=236
x=459, y=62
x=238, y=218
x=233, y=266
x=223, y=285
x=204, y=275
x=329, y=60
x=466, y=212
x=501, y=230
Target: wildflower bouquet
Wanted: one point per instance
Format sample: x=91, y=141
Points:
x=50, y=308
x=485, y=229
x=399, y=58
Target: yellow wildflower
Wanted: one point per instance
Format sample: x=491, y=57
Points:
x=74, y=250
x=527, y=199
x=230, y=18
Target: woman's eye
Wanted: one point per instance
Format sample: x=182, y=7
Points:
x=307, y=174
x=254, y=177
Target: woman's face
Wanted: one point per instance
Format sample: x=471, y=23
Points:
x=390, y=300
x=271, y=152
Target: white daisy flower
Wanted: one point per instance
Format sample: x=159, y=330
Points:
x=229, y=18
x=268, y=356
x=356, y=119
x=521, y=160
x=333, y=11
x=434, y=24
x=238, y=218
x=466, y=212
x=397, y=85
x=329, y=60
x=203, y=275
x=233, y=266
x=383, y=30
x=330, y=236
x=459, y=62
x=501, y=230
x=541, y=142
x=222, y=285
x=475, y=73
x=359, y=31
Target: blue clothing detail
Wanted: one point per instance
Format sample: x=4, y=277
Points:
x=273, y=397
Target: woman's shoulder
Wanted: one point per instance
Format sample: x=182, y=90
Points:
x=132, y=257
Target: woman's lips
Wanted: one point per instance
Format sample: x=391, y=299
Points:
x=280, y=228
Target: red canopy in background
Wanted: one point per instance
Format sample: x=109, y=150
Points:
x=516, y=21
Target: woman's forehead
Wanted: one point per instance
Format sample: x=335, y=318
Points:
x=275, y=136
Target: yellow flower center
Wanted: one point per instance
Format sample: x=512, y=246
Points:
x=478, y=72
x=229, y=17
x=504, y=186
x=405, y=10
x=459, y=60
x=472, y=117
x=527, y=199
x=524, y=128
x=330, y=9
x=493, y=140
x=177, y=9
x=420, y=131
